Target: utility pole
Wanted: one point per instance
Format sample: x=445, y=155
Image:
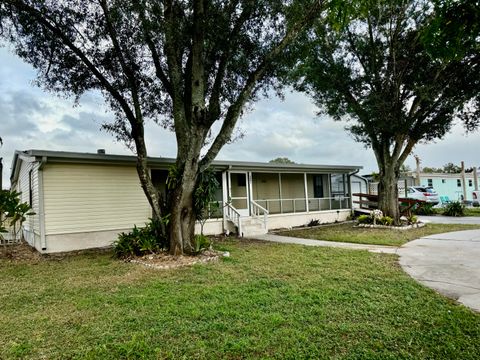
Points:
x=417, y=160
x=464, y=185
x=475, y=178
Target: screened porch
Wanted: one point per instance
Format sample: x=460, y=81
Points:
x=282, y=193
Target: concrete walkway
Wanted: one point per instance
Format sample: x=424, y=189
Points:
x=448, y=263
x=475, y=220
x=310, y=242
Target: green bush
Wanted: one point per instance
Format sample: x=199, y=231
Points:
x=202, y=242
x=425, y=209
x=412, y=219
x=386, y=220
x=140, y=241
x=455, y=208
x=365, y=219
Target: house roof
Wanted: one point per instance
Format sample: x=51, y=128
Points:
x=443, y=175
x=48, y=156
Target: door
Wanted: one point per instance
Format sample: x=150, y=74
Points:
x=238, y=192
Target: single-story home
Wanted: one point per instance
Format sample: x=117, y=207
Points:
x=84, y=200
x=446, y=184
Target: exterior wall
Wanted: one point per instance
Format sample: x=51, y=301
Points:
x=28, y=181
x=81, y=241
x=82, y=198
x=290, y=220
x=211, y=227
x=448, y=187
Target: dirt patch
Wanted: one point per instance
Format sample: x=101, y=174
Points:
x=163, y=261
x=20, y=252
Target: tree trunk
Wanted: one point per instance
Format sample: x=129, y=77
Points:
x=388, y=192
x=182, y=214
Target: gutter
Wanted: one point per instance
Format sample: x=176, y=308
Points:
x=41, y=204
x=349, y=176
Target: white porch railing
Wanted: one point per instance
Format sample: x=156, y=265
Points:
x=260, y=213
x=285, y=206
x=234, y=216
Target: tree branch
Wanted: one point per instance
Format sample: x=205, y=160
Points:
x=56, y=30
x=234, y=111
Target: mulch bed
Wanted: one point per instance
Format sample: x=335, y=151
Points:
x=20, y=252
x=164, y=261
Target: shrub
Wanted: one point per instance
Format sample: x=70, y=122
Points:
x=141, y=241
x=313, y=222
x=201, y=242
x=425, y=209
x=455, y=208
x=365, y=219
x=386, y=220
x=412, y=219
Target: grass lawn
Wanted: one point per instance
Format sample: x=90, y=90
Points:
x=265, y=301
x=348, y=233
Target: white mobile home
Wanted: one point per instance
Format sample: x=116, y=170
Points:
x=83, y=200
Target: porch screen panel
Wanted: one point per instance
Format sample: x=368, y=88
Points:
x=338, y=189
x=293, y=193
x=318, y=184
x=239, y=190
x=266, y=191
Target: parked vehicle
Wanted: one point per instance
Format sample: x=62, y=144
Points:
x=424, y=193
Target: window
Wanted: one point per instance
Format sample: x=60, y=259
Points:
x=444, y=181
x=430, y=182
x=470, y=182
x=317, y=186
x=459, y=183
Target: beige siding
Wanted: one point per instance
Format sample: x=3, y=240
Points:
x=84, y=198
x=24, y=185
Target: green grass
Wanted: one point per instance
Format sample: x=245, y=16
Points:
x=348, y=233
x=265, y=301
x=475, y=211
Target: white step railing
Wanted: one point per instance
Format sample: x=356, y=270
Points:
x=234, y=216
x=260, y=213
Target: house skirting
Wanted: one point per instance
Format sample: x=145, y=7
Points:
x=100, y=239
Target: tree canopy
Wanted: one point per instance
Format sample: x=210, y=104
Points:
x=282, y=160
x=380, y=67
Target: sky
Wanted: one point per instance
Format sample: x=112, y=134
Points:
x=31, y=118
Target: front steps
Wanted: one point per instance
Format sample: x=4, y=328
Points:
x=252, y=227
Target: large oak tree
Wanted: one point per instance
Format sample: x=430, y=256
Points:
x=185, y=64
x=401, y=71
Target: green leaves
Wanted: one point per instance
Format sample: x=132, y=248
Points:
x=12, y=211
x=204, y=195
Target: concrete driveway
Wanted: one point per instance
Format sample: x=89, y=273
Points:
x=448, y=263
x=475, y=220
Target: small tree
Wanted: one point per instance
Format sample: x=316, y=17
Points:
x=380, y=66
x=204, y=197
x=13, y=213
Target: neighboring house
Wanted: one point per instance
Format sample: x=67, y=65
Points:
x=450, y=185
x=83, y=200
